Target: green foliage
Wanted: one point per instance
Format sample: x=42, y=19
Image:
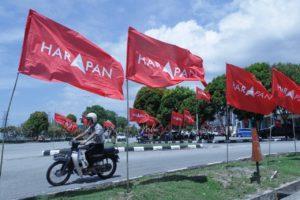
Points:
x=100, y=112
x=172, y=101
x=72, y=117
x=262, y=72
x=217, y=90
x=161, y=102
x=111, y=116
x=11, y=131
x=103, y=115
x=56, y=131
x=205, y=109
x=149, y=99
x=121, y=122
x=36, y=124
x=291, y=70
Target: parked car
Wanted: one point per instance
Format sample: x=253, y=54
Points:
x=244, y=132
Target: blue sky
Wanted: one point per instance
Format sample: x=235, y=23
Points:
x=238, y=32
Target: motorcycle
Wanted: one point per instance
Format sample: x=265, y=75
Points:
x=73, y=161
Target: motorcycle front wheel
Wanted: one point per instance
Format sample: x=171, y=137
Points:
x=55, y=175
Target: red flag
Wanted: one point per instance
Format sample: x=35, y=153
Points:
x=152, y=121
x=53, y=52
x=188, y=118
x=159, y=64
x=138, y=116
x=108, y=124
x=286, y=92
x=65, y=122
x=200, y=94
x=244, y=92
x=176, y=119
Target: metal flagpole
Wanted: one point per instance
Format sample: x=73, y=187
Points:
x=227, y=135
x=5, y=120
x=270, y=134
x=295, y=143
x=127, y=134
x=197, y=122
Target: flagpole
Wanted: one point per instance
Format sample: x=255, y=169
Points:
x=6, y=119
x=127, y=163
x=197, y=122
x=227, y=135
x=270, y=136
x=295, y=143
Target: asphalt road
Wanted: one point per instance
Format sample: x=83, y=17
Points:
x=24, y=169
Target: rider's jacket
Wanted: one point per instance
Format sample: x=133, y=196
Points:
x=99, y=136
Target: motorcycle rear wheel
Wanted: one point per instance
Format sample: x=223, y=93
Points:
x=56, y=173
x=111, y=161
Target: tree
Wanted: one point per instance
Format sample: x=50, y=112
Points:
x=103, y=115
x=217, y=90
x=111, y=116
x=72, y=117
x=290, y=70
x=56, y=131
x=100, y=112
x=121, y=122
x=205, y=109
x=161, y=102
x=11, y=131
x=36, y=124
x=262, y=72
x=133, y=131
x=171, y=101
x=149, y=99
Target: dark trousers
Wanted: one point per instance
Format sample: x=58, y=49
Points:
x=92, y=150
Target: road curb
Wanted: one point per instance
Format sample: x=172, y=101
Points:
x=137, y=149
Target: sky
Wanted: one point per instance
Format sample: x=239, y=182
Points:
x=240, y=32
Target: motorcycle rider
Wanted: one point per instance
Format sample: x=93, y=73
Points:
x=95, y=133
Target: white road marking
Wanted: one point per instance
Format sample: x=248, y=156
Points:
x=175, y=147
x=138, y=149
x=52, y=152
x=155, y=148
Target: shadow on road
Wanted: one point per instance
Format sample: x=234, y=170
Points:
x=197, y=179
x=91, y=179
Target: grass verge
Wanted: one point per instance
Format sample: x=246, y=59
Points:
x=219, y=181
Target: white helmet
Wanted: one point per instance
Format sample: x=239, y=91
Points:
x=93, y=116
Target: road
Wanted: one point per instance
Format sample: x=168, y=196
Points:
x=25, y=168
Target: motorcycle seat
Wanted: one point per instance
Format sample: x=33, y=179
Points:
x=109, y=150
x=105, y=151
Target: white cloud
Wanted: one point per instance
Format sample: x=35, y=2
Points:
x=249, y=31
x=257, y=31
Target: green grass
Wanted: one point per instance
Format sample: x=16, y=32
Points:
x=213, y=182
